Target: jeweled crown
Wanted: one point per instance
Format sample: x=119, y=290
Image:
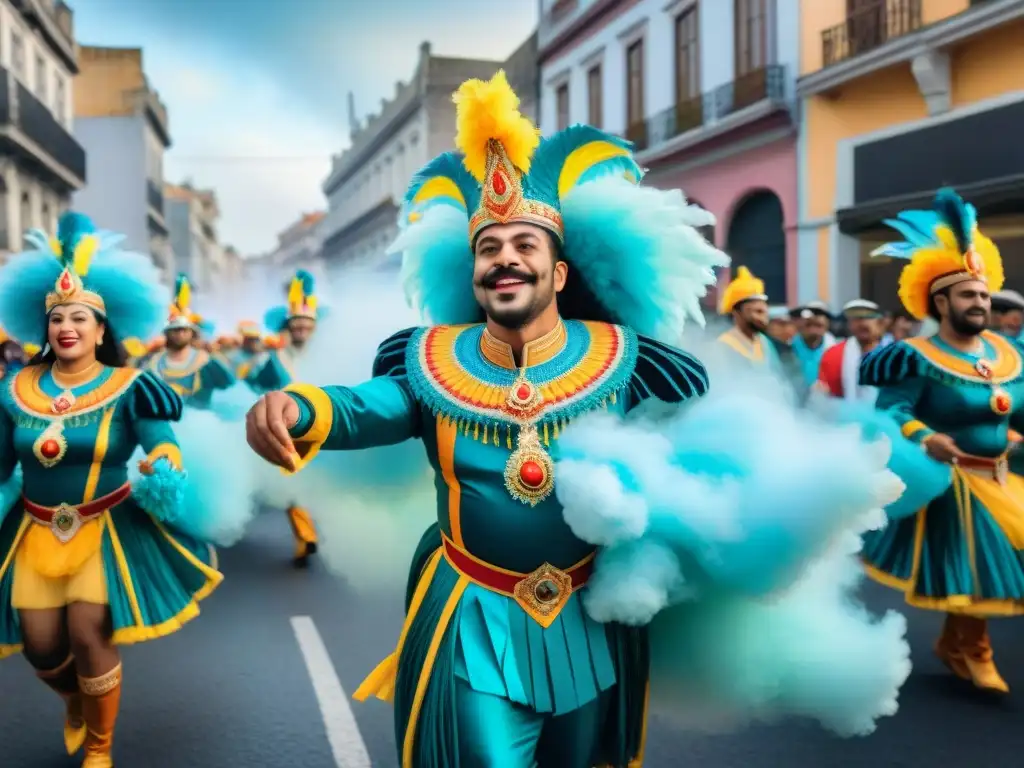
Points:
x=69, y=289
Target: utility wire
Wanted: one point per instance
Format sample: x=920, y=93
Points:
x=249, y=159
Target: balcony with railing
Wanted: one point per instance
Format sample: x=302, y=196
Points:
x=889, y=33
x=155, y=196
x=747, y=98
x=33, y=133
x=870, y=28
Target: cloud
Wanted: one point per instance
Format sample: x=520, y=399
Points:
x=257, y=101
x=192, y=86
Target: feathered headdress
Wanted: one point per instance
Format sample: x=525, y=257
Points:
x=302, y=302
x=944, y=247
x=181, y=314
x=81, y=265
x=634, y=249
x=743, y=287
x=249, y=329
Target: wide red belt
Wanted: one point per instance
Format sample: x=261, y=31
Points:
x=997, y=467
x=542, y=594
x=86, y=511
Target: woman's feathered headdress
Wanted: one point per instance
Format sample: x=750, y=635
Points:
x=943, y=247
x=302, y=302
x=80, y=265
x=634, y=249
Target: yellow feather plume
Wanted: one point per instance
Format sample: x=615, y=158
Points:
x=295, y=291
x=134, y=347
x=84, y=251
x=58, y=249
x=929, y=264
x=184, y=298
x=490, y=110
x=741, y=288
x=311, y=302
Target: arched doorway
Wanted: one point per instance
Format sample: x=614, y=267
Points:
x=757, y=241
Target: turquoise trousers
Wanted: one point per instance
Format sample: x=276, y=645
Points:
x=493, y=732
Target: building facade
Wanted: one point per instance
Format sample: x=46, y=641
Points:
x=300, y=246
x=902, y=97
x=368, y=181
x=705, y=89
x=192, y=217
x=41, y=163
x=124, y=128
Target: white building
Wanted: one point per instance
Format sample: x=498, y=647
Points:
x=299, y=246
x=705, y=90
x=368, y=181
x=41, y=163
x=192, y=216
x=123, y=126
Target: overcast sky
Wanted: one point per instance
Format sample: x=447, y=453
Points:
x=256, y=89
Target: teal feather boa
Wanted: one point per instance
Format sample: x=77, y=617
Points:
x=705, y=532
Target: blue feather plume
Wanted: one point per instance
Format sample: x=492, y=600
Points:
x=131, y=287
x=308, y=282
x=920, y=229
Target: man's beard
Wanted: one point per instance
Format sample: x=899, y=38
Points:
x=968, y=325
x=510, y=318
x=177, y=346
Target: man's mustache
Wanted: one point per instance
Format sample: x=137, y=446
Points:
x=490, y=280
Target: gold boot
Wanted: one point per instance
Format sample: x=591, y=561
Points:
x=101, y=700
x=977, y=653
x=64, y=682
x=304, y=531
x=948, y=649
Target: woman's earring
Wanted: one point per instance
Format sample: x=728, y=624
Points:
x=46, y=349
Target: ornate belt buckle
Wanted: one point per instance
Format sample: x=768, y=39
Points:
x=544, y=593
x=65, y=523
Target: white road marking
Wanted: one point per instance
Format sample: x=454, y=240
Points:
x=342, y=732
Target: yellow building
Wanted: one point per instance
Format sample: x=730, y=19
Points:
x=899, y=98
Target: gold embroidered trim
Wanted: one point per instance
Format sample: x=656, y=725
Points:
x=98, y=686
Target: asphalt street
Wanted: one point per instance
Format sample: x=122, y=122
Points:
x=236, y=689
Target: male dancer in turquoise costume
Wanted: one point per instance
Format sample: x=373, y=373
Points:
x=259, y=368
x=90, y=559
x=192, y=372
x=960, y=395
x=295, y=322
x=500, y=662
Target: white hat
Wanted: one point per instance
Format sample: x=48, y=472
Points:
x=1011, y=299
x=861, y=308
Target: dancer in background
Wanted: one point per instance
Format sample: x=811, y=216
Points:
x=88, y=560
x=531, y=636
x=813, y=338
x=191, y=371
x=746, y=302
x=255, y=362
x=295, y=322
x=839, y=371
x=958, y=394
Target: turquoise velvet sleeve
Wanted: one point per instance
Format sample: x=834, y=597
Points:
x=269, y=376
x=153, y=432
x=381, y=411
x=899, y=400
x=216, y=374
x=8, y=458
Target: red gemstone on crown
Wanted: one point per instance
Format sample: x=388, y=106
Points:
x=65, y=281
x=523, y=392
x=974, y=263
x=498, y=184
x=50, y=448
x=532, y=474
x=61, y=405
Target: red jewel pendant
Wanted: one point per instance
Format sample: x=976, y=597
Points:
x=1001, y=402
x=523, y=397
x=50, y=448
x=532, y=474
x=498, y=184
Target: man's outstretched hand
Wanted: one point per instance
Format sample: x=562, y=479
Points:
x=267, y=425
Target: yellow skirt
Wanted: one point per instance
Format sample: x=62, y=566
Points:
x=49, y=574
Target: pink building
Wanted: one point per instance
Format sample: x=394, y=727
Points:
x=703, y=89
